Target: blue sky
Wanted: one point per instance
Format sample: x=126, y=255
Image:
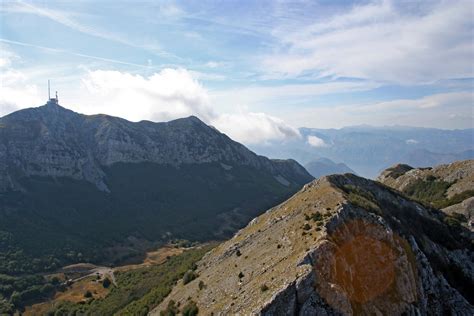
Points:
x=256, y=70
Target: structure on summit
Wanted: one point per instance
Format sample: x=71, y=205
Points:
x=52, y=100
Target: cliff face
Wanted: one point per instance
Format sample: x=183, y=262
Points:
x=53, y=141
x=343, y=245
x=448, y=187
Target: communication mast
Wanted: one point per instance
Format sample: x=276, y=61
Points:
x=52, y=100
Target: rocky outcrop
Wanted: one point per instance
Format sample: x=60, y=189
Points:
x=343, y=245
x=55, y=142
x=456, y=180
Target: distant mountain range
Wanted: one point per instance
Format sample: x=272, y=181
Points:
x=369, y=150
x=323, y=167
x=72, y=185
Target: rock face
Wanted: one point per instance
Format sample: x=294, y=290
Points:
x=343, y=245
x=456, y=180
x=53, y=141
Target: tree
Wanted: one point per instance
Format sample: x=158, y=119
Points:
x=106, y=283
x=15, y=298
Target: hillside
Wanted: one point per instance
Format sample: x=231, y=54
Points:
x=85, y=188
x=448, y=187
x=323, y=167
x=342, y=245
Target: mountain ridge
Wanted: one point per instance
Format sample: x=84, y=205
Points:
x=105, y=140
x=342, y=245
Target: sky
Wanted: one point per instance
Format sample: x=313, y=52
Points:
x=256, y=70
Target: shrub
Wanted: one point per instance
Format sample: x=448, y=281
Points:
x=241, y=275
x=201, y=285
x=171, y=309
x=189, y=276
x=238, y=253
x=190, y=309
x=264, y=288
x=307, y=226
x=317, y=216
x=88, y=294
x=106, y=283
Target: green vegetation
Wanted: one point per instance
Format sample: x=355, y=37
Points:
x=138, y=291
x=148, y=201
x=362, y=198
x=106, y=283
x=457, y=198
x=51, y=224
x=317, y=216
x=189, y=276
x=171, y=309
x=432, y=192
x=428, y=191
x=190, y=309
x=19, y=291
x=454, y=220
x=201, y=285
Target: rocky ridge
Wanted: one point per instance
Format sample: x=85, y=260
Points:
x=458, y=177
x=343, y=245
x=53, y=141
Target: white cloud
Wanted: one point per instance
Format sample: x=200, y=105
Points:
x=316, y=141
x=253, y=128
x=169, y=94
x=15, y=90
x=381, y=41
x=411, y=142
